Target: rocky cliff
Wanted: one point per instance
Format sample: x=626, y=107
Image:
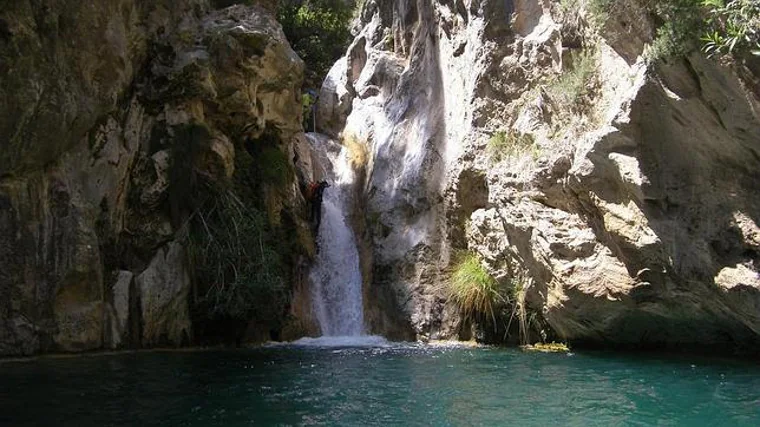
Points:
x=617, y=192
x=112, y=115
x=148, y=145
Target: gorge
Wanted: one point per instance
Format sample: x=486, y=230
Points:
x=500, y=173
x=610, y=194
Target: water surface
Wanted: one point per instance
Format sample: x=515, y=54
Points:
x=387, y=385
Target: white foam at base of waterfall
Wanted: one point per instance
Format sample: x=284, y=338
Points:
x=344, y=341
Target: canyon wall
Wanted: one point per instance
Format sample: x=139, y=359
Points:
x=615, y=191
x=110, y=112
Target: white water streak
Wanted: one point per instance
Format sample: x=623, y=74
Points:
x=336, y=277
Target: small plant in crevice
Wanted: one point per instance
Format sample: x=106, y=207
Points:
x=575, y=88
x=503, y=144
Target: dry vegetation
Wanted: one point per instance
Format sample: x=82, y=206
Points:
x=358, y=152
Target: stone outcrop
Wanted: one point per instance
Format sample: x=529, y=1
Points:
x=163, y=289
x=107, y=111
x=625, y=206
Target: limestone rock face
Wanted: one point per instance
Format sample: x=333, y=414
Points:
x=627, y=207
x=103, y=107
x=164, y=288
x=65, y=63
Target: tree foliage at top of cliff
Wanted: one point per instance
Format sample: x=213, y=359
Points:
x=734, y=25
x=318, y=31
x=717, y=26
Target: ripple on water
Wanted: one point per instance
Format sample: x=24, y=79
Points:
x=369, y=381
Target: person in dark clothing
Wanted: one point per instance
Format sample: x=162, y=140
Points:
x=5, y=32
x=315, y=194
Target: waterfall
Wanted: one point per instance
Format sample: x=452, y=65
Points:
x=336, y=280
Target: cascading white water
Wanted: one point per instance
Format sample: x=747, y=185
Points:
x=335, y=276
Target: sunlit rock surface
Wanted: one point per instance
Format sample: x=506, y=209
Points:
x=633, y=222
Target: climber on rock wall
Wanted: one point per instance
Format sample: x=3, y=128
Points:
x=314, y=194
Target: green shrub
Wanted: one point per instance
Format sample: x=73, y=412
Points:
x=600, y=10
x=482, y=299
x=238, y=258
x=724, y=27
x=318, y=31
x=238, y=269
x=680, y=29
x=474, y=291
x=679, y=23
x=274, y=166
x=261, y=163
x=732, y=26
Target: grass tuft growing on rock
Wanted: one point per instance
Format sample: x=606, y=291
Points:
x=503, y=144
x=474, y=291
x=574, y=88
